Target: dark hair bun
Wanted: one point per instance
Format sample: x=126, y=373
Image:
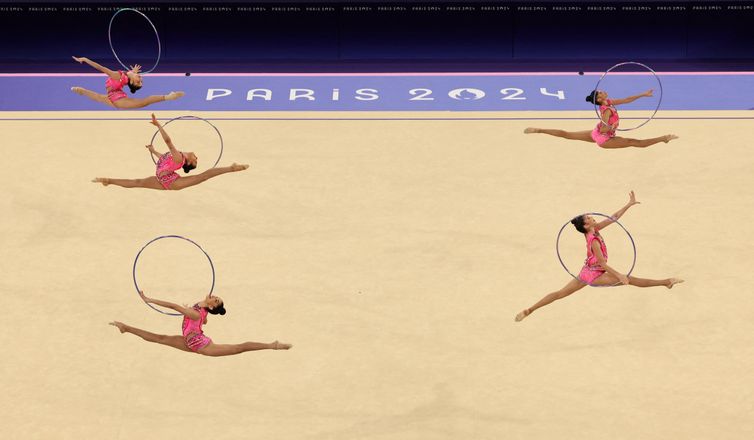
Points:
x=592, y=97
x=188, y=167
x=219, y=310
x=578, y=223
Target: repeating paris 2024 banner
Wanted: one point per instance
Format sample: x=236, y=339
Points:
x=342, y=32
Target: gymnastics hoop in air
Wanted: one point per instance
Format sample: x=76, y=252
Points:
x=557, y=249
x=110, y=38
x=136, y=260
x=189, y=118
x=659, y=101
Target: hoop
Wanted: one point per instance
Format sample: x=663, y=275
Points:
x=190, y=117
x=659, y=101
x=136, y=260
x=557, y=249
x=110, y=38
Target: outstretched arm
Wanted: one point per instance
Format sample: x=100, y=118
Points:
x=597, y=251
x=618, y=214
x=190, y=313
x=176, y=154
x=632, y=98
x=111, y=73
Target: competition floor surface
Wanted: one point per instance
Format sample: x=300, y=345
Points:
x=393, y=251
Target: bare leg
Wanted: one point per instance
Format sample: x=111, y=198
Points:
x=573, y=286
x=187, y=181
x=92, y=95
x=621, y=142
x=230, y=349
x=171, y=341
x=608, y=279
x=585, y=136
x=147, y=182
x=130, y=103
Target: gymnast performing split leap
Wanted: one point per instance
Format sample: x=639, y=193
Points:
x=114, y=84
x=596, y=272
x=194, y=339
x=167, y=164
x=604, y=133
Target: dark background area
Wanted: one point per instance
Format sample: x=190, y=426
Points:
x=371, y=35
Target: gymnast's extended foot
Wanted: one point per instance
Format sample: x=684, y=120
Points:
x=173, y=96
x=531, y=130
x=237, y=167
x=103, y=180
x=522, y=314
x=673, y=281
x=77, y=90
x=669, y=137
x=120, y=325
x=280, y=346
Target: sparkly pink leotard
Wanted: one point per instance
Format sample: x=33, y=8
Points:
x=192, y=330
x=599, y=137
x=166, y=167
x=592, y=269
x=115, y=87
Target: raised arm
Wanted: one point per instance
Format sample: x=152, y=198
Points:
x=597, y=251
x=618, y=214
x=111, y=73
x=632, y=98
x=190, y=313
x=176, y=154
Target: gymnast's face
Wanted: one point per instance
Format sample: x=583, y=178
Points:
x=601, y=97
x=213, y=301
x=134, y=79
x=191, y=159
x=589, y=222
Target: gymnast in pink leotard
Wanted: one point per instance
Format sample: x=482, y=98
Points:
x=604, y=133
x=592, y=267
x=192, y=329
x=167, y=164
x=192, y=338
x=605, y=129
x=114, y=84
x=596, y=271
x=115, y=87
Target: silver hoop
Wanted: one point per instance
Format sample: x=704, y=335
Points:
x=110, y=38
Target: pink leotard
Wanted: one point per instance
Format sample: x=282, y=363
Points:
x=192, y=330
x=599, y=137
x=166, y=168
x=115, y=87
x=592, y=269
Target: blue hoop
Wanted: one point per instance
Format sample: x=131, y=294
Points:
x=136, y=260
x=659, y=101
x=557, y=250
x=191, y=117
x=110, y=38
